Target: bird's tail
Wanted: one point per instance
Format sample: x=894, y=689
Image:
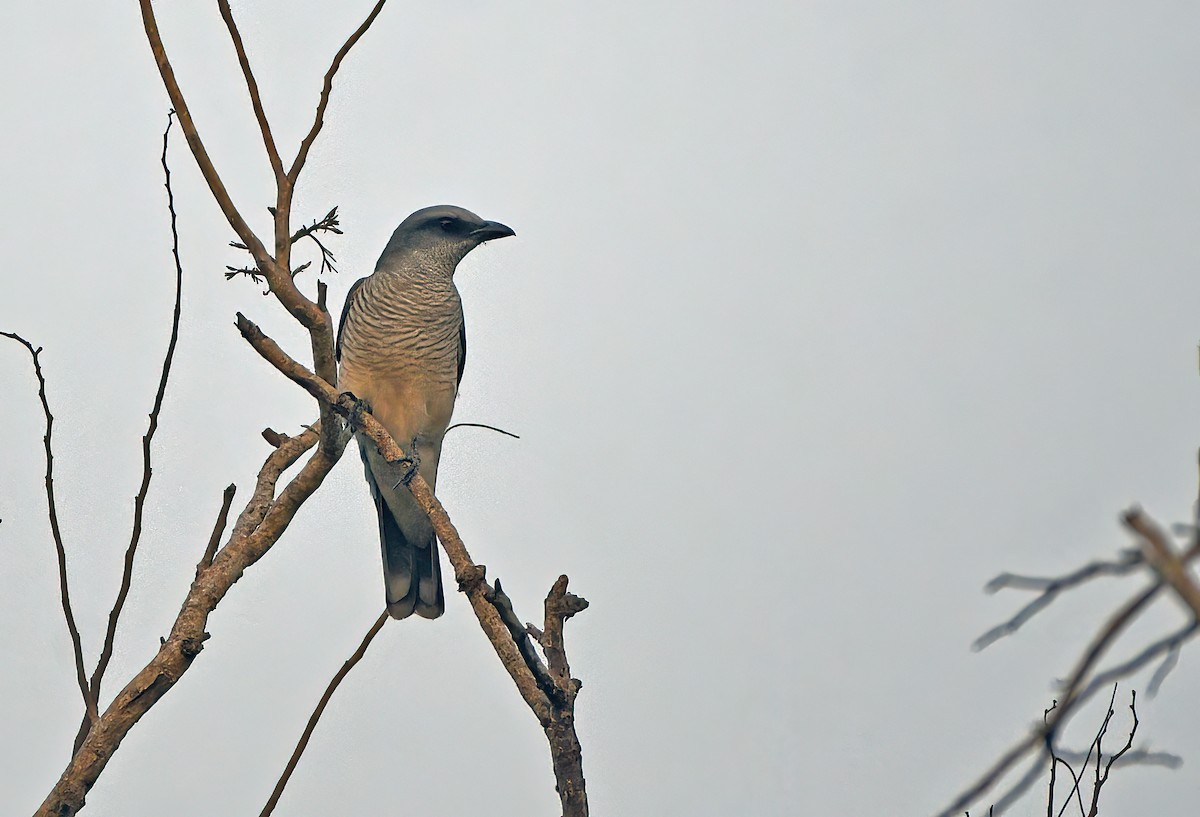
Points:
x=412, y=572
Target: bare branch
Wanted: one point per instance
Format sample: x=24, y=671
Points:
x=328, y=224
x=1160, y=553
x=319, y=120
x=252, y=87
x=1166, y=644
x=207, y=169
x=554, y=713
x=218, y=528
x=560, y=606
x=1072, y=698
x=139, y=501
x=89, y=700
x=316, y=715
x=1050, y=588
x=471, y=577
x=244, y=548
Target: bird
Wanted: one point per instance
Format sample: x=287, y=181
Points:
x=402, y=348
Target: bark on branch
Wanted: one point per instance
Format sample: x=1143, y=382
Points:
x=553, y=703
x=263, y=521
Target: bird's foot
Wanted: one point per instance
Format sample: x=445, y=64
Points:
x=360, y=407
x=411, y=463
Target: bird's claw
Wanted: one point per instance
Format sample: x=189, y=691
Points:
x=359, y=408
x=411, y=463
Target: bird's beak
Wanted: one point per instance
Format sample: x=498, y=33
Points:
x=491, y=229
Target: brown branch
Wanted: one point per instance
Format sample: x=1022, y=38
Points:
x=556, y=716
x=218, y=528
x=89, y=700
x=252, y=87
x=187, y=636
x=275, y=270
x=1160, y=553
x=327, y=87
x=316, y=715
x=207, y=169
x=139, y=501
x=1072, y=698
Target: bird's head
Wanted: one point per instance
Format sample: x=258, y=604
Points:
x=442, y=234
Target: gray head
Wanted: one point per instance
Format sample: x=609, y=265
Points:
x=441, y=235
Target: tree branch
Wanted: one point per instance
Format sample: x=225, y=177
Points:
x=1160, y=553
x=302, y=744
x=319, y=120
x=1170, y=570
x=187, y=635
x=556, y=716
x=139, y=501
x=207, y=169
x=218, y=528
x=252, y=87
x=89, y=700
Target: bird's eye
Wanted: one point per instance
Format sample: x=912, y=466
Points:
x=447, y=224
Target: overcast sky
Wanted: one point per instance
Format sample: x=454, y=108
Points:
x=819, y=315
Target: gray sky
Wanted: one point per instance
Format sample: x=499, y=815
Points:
x=819, y=316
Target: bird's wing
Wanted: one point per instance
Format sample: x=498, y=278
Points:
x=345, y=312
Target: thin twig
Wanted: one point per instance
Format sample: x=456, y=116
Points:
x=89, y=700
x=319, y=120
x=218, y=528
x=482, y=425
x=1101, y=779
x=207, y=169
x=139, y=501
x=1050, y=588
x=327, y=224
x=1071, y=698
x=316, y=715
x=252, y=87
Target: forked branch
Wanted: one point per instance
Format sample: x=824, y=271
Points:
x=89, y=700
x=553, y=707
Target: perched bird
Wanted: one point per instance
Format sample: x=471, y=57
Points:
x=402, y=345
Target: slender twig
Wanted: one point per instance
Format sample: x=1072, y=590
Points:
x=319, y=120
x=1097, y=746
x=218, y=529
x=139, y=501
x=252, y=87
x=89, y=700
x=1072, y=698
x=320, y=709
x=483, y=425
x=327, y=224
x=1050, y=588
x=207, y=169
x=1101, y=779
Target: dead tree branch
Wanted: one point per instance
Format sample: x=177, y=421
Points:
x=139, y=501
x=319, y=120
x=1168, y=569
x=252, y=86
x=89, y=700
x=302, y=744
x=555, y=711
x=218, y=529
x=186, y=639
